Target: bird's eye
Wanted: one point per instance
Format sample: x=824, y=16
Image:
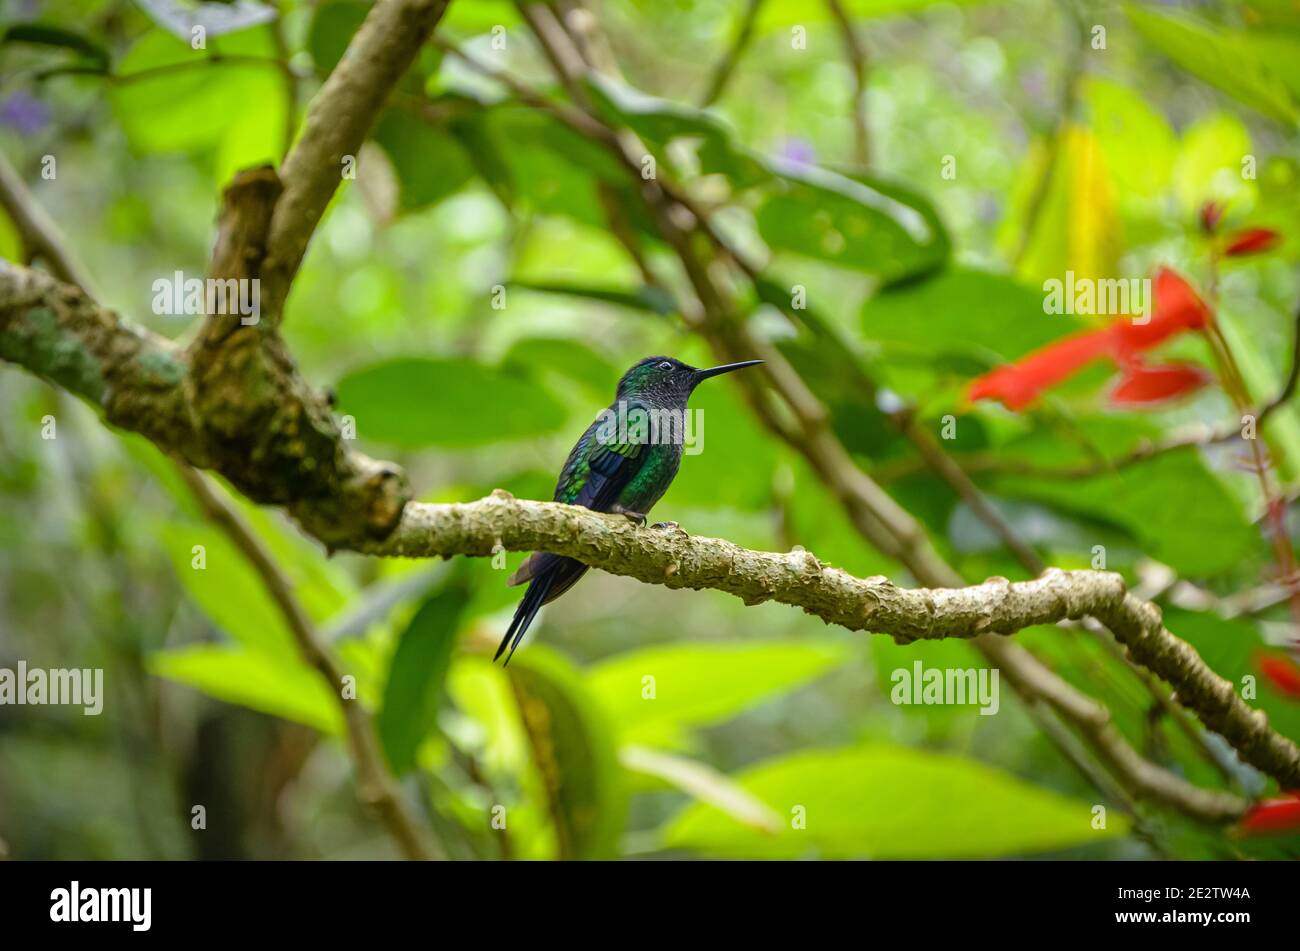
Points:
x=665, y=365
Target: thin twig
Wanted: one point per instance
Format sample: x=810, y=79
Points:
x=855, y=52
x=722, y=73
x=376, y=787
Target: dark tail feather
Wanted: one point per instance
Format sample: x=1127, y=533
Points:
x=533, y=600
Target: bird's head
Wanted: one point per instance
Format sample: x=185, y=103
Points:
x=663, y=379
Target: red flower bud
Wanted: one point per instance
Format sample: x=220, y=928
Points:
x=1211, y=212
x=1142, y=385
x=1272, y=816
x=1282, y=673
x=1251, y=241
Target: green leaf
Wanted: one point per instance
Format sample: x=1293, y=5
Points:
x=963, y=311
x=889, y=802
x=1176, y=509
x=415, y=402
x=700, y=684
x=559, y=173
x=700, y=782
x=11, y=242
x=573, y=752
x=194, y=101
x=1209, y=164
x=228, y=592
x=644, y=298
x=1135, y=138
x=1077, y=227
x=430, y=162
x=416, y=676
x=780, y=13
x=253, y=679
x=659, y=122
x=1232, y=648
x=734, y=457
x=94, y=57
x=575, y=362
x=862, y=223
x=332, y=28
x=1222, y=57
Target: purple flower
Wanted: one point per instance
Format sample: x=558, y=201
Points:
x=24, y=113
x=797, y=151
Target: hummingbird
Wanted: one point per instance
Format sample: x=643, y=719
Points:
x=623, y=464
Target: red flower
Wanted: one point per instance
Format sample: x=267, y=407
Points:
x=1272, y=816
x=1177, y=309
x=1251, y=241
x=1019, y=384
x=1211, y=212
x=1282, y=673
x=1143, y=385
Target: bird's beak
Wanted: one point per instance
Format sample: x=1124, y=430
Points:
x=701, y=375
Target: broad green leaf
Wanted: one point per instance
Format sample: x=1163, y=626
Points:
x=493, y=732
x=659, y=122
x=322, y=586
x=430, y=162
x=702, y=783
x=731, y=460
x=574, y=361
x=1138, y=145
x=332, y=28
x=253, y=679
x=1076, y=228
x=168, y=99
x=862, y=224
x=1176, y=509
x=226, y=589
x=959, y=310
x=573, y=751
x=1221, y=56
x=416, y=673
x=560, y=173
x=889, y=802
x=645, y=298
x=688, y=685
x=91, y=56
x=480, y=16
x=11, y=242
x=1263, y=382
x=1232, y=648
x=1210, y=165
x=782, y=13
x=413, y=402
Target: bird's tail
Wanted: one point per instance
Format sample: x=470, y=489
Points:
x=533, y=600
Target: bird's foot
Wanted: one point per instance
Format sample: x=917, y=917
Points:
x=668, y=527
x=637, y=517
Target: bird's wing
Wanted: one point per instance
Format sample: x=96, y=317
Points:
x=598, y=469
x=593, y=476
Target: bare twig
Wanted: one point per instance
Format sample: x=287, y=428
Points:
x=856, y=53
x=727, y=65
x=376, y=787
x=40, y=236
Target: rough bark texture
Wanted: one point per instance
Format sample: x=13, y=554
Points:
x=290, y=454
x=337, y=123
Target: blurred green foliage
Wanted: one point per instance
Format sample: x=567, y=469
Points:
x=470, y=306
